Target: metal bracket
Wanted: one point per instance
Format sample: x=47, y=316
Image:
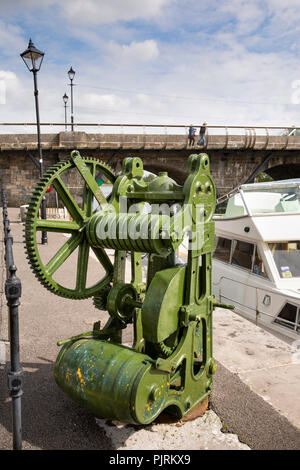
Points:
x=15, y=382
x=13, y=289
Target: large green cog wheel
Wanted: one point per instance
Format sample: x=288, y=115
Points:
x=90, y=169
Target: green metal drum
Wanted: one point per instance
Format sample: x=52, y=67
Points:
x=112, y=381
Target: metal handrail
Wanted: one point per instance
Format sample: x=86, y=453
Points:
x=184, y=126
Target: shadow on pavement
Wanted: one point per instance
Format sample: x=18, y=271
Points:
x=50, y=419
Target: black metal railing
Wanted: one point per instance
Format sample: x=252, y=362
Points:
x=13, y=291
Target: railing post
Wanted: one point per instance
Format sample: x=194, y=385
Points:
x=15, y=373
x=267, y=138
x=166, y=134
x=13, y=291
x=122, y=136
x=227, y=137
x=144, y=136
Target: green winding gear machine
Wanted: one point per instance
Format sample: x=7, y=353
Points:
x=170, y=364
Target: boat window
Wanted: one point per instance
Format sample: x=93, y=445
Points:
x=222, y=251
x=287, y=258
x=273, y=200
x=258, y=265
x=261, y=198
x=243, y=254
x=287, y=316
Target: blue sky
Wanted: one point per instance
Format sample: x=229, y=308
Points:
x=155, y=61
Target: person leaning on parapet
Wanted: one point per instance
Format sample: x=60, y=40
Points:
x=292, y=130
x=192, y=132
x=202, y=134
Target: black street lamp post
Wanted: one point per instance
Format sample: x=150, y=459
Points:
x=65, y=98
x=71, y=74
x=33, y=59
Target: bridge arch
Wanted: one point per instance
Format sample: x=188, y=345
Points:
x=284, y=171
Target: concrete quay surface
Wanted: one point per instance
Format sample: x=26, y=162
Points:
x=265, y=363
x=254, y=404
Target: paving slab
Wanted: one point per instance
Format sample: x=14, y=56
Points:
x=201, y=434
x=267, y=364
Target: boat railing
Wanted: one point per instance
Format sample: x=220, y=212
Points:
x=296, y=326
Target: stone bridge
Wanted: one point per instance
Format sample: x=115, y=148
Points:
x=233, y=158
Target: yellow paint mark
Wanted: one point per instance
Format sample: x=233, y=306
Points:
x=80, y=376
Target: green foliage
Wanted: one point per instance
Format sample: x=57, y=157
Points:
x=262, y=178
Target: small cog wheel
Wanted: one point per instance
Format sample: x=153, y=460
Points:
x=162, y=350
x=165, y=348
x=100, y=299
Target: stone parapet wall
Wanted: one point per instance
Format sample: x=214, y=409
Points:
x=230, y=166
x=70, y=140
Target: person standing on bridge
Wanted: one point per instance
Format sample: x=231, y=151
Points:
x=192, y=133
x=292, y=130
x=202, y=134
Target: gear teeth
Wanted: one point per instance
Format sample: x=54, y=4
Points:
x=100, y=299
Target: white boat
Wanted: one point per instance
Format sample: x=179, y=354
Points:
x=256, y=262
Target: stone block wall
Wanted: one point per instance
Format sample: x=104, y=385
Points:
x=18, y=175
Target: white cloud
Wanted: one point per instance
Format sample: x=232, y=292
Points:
x=7, y=75
x=9, y=86
x=248, y=15
x=134, y=52
x=99, y=103
x=108, y=11
x=11, y=38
